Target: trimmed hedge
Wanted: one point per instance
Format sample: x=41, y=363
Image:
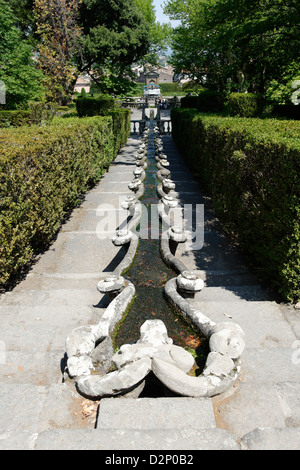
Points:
x=245, y=104
x=250, y=167
x=206, y=102
x=100, y=106
x=38, y=113
x=121, y=127
x=42, y=173
x=15, y=118
x=170, y=88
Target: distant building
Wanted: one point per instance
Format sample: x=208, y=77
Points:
x=166, y=74
x=162, y=74
x=152, y=77
x=83, y=82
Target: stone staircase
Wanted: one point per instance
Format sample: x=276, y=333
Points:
x=146, y=424
x=38, y=411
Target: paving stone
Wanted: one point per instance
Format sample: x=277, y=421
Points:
x=247, y=407
x=62, y=409
x=34, y=338
x=96, y=201
x=17, y=440
x=47, y=315
x=289, y=399
x=21, y=406
x=272, y=439
x=77, y=253
x=293, y=317
x=106, y=218
x=156, y=413
x=22, y=297
x=33, y=368
x=151, y=439
x=269, y=366
x=263, y=322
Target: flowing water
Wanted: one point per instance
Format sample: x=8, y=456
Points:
x=149, y=274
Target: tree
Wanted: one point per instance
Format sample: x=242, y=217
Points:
x=24, y=16
x=159, y=34
x=236, y=44
x=18, y=68
x=59, y=34
x=115, y=35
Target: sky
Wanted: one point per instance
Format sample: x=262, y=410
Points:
x=160, y=14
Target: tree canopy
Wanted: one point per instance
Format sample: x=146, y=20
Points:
x=50, y=42
x=238, y=45
x=59, y=38
x=18, y=71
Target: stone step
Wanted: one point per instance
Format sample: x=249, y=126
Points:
x=230, y=293
x=188, y=439
x=156, y=413
x=272, y=439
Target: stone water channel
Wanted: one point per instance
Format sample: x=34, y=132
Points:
x=149, y=275
x=153, y=342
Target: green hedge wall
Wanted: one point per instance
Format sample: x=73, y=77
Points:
x=250, y=167
x=206, y=102
x=15, y=118
x=245, y=104
x=42, y=173
x=100, y=106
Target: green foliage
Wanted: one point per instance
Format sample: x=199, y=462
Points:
x=245, y=104
x=38, y=113
x=18, y=71
x=236, y=45
x=100, y=106
x=250, y=167
x=59, y=40
x=15, y=118
x=170, y=88
x=115, y=34
x=189, y=102
x=159, y=35
x=116, y=85
x=121, y=126
x=42, y=173
x=24, y=17
x=207, y=101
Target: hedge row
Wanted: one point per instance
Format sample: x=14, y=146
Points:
x=206, y=102
x=245, y=104
x=250, y=167
x=42, y=173
x=15, y=118
x=38, y=113
x=100, y=106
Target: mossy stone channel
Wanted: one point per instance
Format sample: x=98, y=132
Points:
x=149, y=274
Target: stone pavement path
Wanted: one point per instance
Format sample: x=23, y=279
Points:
x=39, y=406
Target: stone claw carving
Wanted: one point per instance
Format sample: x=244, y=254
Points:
x=123, y=237
x=81, y=343
x=134, y=362
x=156, y=352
